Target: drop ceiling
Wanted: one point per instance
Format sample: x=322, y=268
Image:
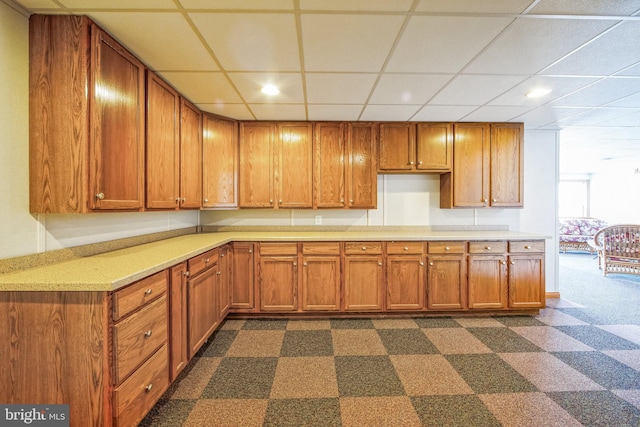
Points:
x=396, y=60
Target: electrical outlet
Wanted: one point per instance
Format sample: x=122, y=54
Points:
x=318, y=219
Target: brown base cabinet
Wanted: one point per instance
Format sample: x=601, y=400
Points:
x=363, y=283
x=202, y=296
x=446, y=282
x=242, y=287
x=405, y=275
x=487, y=281
x=278, y=276
x=178, y=356
x=320, y=277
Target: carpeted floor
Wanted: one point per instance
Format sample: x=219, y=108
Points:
x=577, y=363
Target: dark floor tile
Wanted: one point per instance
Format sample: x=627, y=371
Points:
x=604, y=370
x=504, y=340
x=218, y=344
x=352, y=324
x=242, y=378
x=437, y=322
x=519, y=321
x=406, y=341
x=307, y=343
x=598, y=408
x=488, y=373
x=367, y=376
x=466, y=410
x=265, y=324
x=303, y=412
x=168, y=413
x=598, y=338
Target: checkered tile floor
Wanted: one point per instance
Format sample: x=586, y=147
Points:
x=549, y=370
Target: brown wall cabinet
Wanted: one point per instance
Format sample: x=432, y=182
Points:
x=190, y=156
x=415, y=147
x=220, y=162
x=362, y=178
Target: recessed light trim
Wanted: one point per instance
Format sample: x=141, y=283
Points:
x=270, y=90
x=539, y=92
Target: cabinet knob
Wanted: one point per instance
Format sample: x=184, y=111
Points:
x=148, y=291
x=494, y=200
x=411, y=163
x=512, y=262
x=304, y=263
x=295, y=264
x=431, y=263
x=186, y=274
x=420, y=162
x=271, y=201
x=250, y=251
x=485, y=200
x=380, y=263
x=222, y=254
x=184, y=200
x=177, y=199
x=351, y=201
x=421, y=263
x=219, y=273
x=488, y=248
x=148, y=333
x=405, y=248
x=341, y=200
x=364, y=248
x=280, y=201
x=503, y=262
x=527, y=247
x=148, y=388
x=206, y=200
x=446, y=248
x=100, y=196
x=206, y=260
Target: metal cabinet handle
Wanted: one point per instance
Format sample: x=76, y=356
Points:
x=148, y=291
x=405, y=248
x=148, y=388
x=177, y=199
x=431, y=263
x=280, y=201
x=485, y=200
x=100, y=196
x=503, y=262
x=527, y=247
x=494, y=200
x=411, y=163
x=341, y=200
x=304, y=263
x=512, y=262
x=421, y=263
x=380, y=263
x=488, y=248
x=295, y=264
x=364, y=248
x=271, y=201
x=446, y=248
x=420, y=162
x=206, y=200
x=250, y=251
x=148, y=333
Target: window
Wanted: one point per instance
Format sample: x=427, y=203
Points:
x=574, y=198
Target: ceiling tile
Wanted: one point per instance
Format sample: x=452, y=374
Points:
x=201, y=87
x=119, y=4
x=408, y=88
x=357, y=5
x=627, y=101
x=595, y=116
x=559, y=86
x=399, y=113
x=529, y=45
x=631, y=71
x=238, y=4
x=628, y=117
x=614, y=51
x=349, y=45
x=279, y=111
x=495, y=114
x=334, y=112
x=475, y=89
x=250, y=84
x=251, y=41
x=442, y=113
x=473, y=6
x=546, y=116
x=336, y=88
x=143, y=33
x=602, y=92
x=586, y=7
x=428, y=42
x=233, y=111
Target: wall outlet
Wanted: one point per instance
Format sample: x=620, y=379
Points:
x=318, y=219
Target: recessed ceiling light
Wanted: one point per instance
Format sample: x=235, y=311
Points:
x=537, y=93
x=270, y=90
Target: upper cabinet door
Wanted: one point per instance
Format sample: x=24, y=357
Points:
x=507, y=161
x=220, y=157
x=397, y=144
x=163, y=144
x=329, y=165
x=256, y=165
x=116, y=149
x=190, y=155
x=294, y=165
x=362, y=170
x=434, y=144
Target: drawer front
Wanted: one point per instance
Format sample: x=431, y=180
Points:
x=137, y=395
x=135, y=296
x=488, y=247
x=203, y=261
x=446, y=247
x=321, y=248
x=525, y=246
x=399, y=248
x=278, y=249
x=137, y=336
x=362, y=248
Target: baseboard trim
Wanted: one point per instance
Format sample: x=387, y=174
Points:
x=552, y=295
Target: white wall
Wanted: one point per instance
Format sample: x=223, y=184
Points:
x=20, y=232
x=615, y=191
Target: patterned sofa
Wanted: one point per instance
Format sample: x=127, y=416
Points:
x=618, y=249
x=576, y=233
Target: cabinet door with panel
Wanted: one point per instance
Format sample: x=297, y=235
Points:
x=226, y=278
x=526, y=274
x=487, y=281
x=446, y=276
x=278, y=277
x=405, y=276
x=507, y=160
x=256, y=165
x=320, y=276
x=220, y=162
x=163, y=144
x=397, y=147
x=329, y=165
x=294, y=165
x=178, y=332
x=190, y=155
x=362, y=178
x=202, y=299
x=434, y=146
x=242, y=288
x=363, y=283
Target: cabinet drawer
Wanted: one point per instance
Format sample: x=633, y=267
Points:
x=321, y=248
x=446, y=247
x=525, y=246
x=137, y=336
x=132, y=297
x=137, y=395
x=488, y=247
x=398, y=248
x=354, y=248
x=278, y=249
x=203, y=261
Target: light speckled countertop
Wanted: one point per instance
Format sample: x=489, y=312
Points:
x=111, y=270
